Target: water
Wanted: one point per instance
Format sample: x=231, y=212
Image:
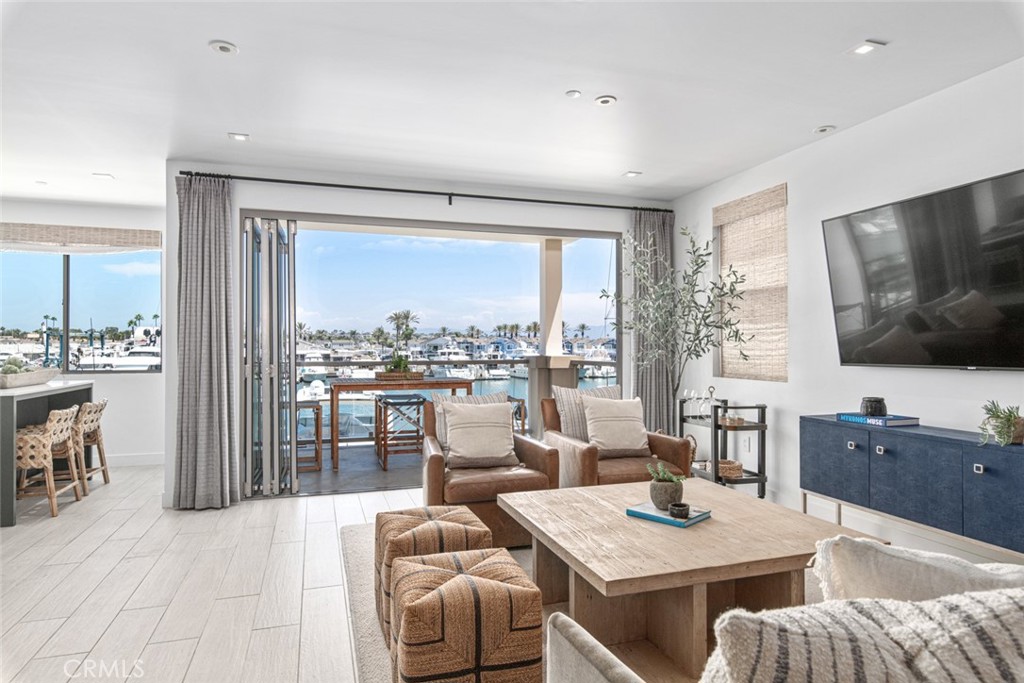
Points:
x=360, y=411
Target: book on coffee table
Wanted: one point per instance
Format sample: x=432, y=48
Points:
x=648, y=511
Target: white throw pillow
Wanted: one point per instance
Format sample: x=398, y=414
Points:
x=443, y=398
x=963, y=637
x=860, y=568
x=569, y=404
x=616, y=427
x=480, y=435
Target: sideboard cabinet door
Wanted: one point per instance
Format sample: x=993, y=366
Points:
x=993, y=480
x=917, y=479
x=834, y=461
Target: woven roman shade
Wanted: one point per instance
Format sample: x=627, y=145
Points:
x=73, y=239
x=752, y=238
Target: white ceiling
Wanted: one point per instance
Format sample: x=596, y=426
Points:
x=463, y=92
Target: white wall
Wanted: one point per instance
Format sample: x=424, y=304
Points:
x=271, y=198
x=133, y=425
x=968, y=132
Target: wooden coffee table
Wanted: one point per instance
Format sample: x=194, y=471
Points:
x=651, y=592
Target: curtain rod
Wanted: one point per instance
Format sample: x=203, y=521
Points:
x=434, y=193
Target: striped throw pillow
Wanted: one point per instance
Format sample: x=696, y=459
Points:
x=962, y=637
x=441, y=398
x=569, y=403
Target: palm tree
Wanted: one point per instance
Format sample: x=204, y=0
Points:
x=534, y=329
x=442, y=331
x=156, y=320
x=582, y=329
x=473, y=332
x=301, y=329
x=353, y=335
x=379, y=336
x=401, y=320
x=513, y=330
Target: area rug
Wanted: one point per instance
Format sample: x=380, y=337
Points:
x=373, y=662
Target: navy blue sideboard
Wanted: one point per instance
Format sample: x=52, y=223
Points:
x=942, y=478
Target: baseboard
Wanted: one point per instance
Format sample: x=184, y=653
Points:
x=135, y=459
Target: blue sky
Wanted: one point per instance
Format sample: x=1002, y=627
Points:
x=108, y=288
x=343, y=281
x=354, y=280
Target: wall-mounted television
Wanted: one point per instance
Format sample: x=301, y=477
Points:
x=933, y=281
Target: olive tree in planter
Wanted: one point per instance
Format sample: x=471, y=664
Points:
x=678, y=314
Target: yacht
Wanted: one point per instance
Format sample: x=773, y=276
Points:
x=139, y=358
x=451, y=365
x=493, y=369
x=312, y=367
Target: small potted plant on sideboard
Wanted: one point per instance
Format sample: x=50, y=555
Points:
x=1005, y=424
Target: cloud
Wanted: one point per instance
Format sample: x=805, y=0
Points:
x=133, y=269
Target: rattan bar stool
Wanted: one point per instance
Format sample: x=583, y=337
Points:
x=87, y=432
x=35, y=451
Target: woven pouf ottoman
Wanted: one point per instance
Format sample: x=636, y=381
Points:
x=420, y=531
x=467, y=617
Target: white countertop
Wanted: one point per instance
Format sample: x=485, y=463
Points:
x=55, y=386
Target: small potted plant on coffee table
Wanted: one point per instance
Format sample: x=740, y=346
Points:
x=665, y=487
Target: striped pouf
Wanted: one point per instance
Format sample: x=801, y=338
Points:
x=467, y=617
x=420, y=531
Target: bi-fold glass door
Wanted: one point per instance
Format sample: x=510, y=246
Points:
x=268, y=357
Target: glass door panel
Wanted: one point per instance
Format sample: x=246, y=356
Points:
x=268, y=357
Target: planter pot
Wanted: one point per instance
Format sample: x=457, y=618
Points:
x=665, y=492
x=1018, y=431
x=28, y=379
x=397, y=376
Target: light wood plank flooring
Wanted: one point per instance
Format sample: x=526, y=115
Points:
x=118, y=588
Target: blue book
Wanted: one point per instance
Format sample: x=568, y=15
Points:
x=649, y=512
x=879, y=420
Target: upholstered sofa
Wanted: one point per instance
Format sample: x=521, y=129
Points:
x=889, y=614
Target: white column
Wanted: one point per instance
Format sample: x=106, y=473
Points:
x=551, y=297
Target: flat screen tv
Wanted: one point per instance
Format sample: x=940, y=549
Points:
x=933, y=281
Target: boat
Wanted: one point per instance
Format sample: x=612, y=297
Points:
x=598, y=371
x=450, y=363
x=139, y=358
x=521, y=370
x=312, y=367
x=494, y=369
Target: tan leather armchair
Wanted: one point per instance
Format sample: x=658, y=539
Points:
x=580, y=466
x=477, y=488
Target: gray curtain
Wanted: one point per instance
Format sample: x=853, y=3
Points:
x=206, y=473
x=652, y=383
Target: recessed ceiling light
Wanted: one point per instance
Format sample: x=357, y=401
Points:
x=104, y=176
x=239, y=137
x=632, y=174
x=573, y=93
x=821, y=130
x=866, y=47
x=606, y=100
x=223, y=47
